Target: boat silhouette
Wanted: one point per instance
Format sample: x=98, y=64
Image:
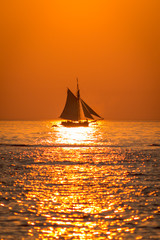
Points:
x=76, y=112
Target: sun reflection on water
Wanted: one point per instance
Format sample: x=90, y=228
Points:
x=79, y=200
x=74, y=192
x=79, y=135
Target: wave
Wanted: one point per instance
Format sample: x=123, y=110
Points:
x=58, y=145
x=63, y=145
x=154, y=145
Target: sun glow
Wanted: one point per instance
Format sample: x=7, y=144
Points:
x=77, y=135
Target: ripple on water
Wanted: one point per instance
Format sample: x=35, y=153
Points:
x=80, y=192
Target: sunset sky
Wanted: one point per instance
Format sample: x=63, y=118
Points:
x=112, y=46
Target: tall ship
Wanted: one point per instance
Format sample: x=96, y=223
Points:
x=76, y=112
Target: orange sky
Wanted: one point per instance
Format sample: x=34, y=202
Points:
x=112, y=46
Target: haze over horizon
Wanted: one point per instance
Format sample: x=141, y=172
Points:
x=113, y=47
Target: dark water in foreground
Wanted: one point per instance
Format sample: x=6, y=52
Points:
x=101, y=182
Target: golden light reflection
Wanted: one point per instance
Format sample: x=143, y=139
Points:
x=69, y=189
x=77, y=135
x=74, y=192
x=78, y=198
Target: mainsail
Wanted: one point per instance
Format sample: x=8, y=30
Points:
x=70, y=111
x=73, y=106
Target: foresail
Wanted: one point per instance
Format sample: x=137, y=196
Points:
x=89, y=110
x=85, y=111
x=70, y=111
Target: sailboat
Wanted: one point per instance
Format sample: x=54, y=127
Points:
x=76, y=111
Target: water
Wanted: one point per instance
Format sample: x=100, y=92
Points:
x=100, y=182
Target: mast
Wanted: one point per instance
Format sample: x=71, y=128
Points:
x=78, y=101
x=76, y=109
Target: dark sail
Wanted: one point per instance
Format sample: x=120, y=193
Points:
x=85, y=111
x=77, y=110
x=70, y=111
x=90, y=110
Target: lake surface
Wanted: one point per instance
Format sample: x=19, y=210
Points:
x=100, y=182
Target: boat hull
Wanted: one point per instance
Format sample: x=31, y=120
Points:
x=75, y=124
